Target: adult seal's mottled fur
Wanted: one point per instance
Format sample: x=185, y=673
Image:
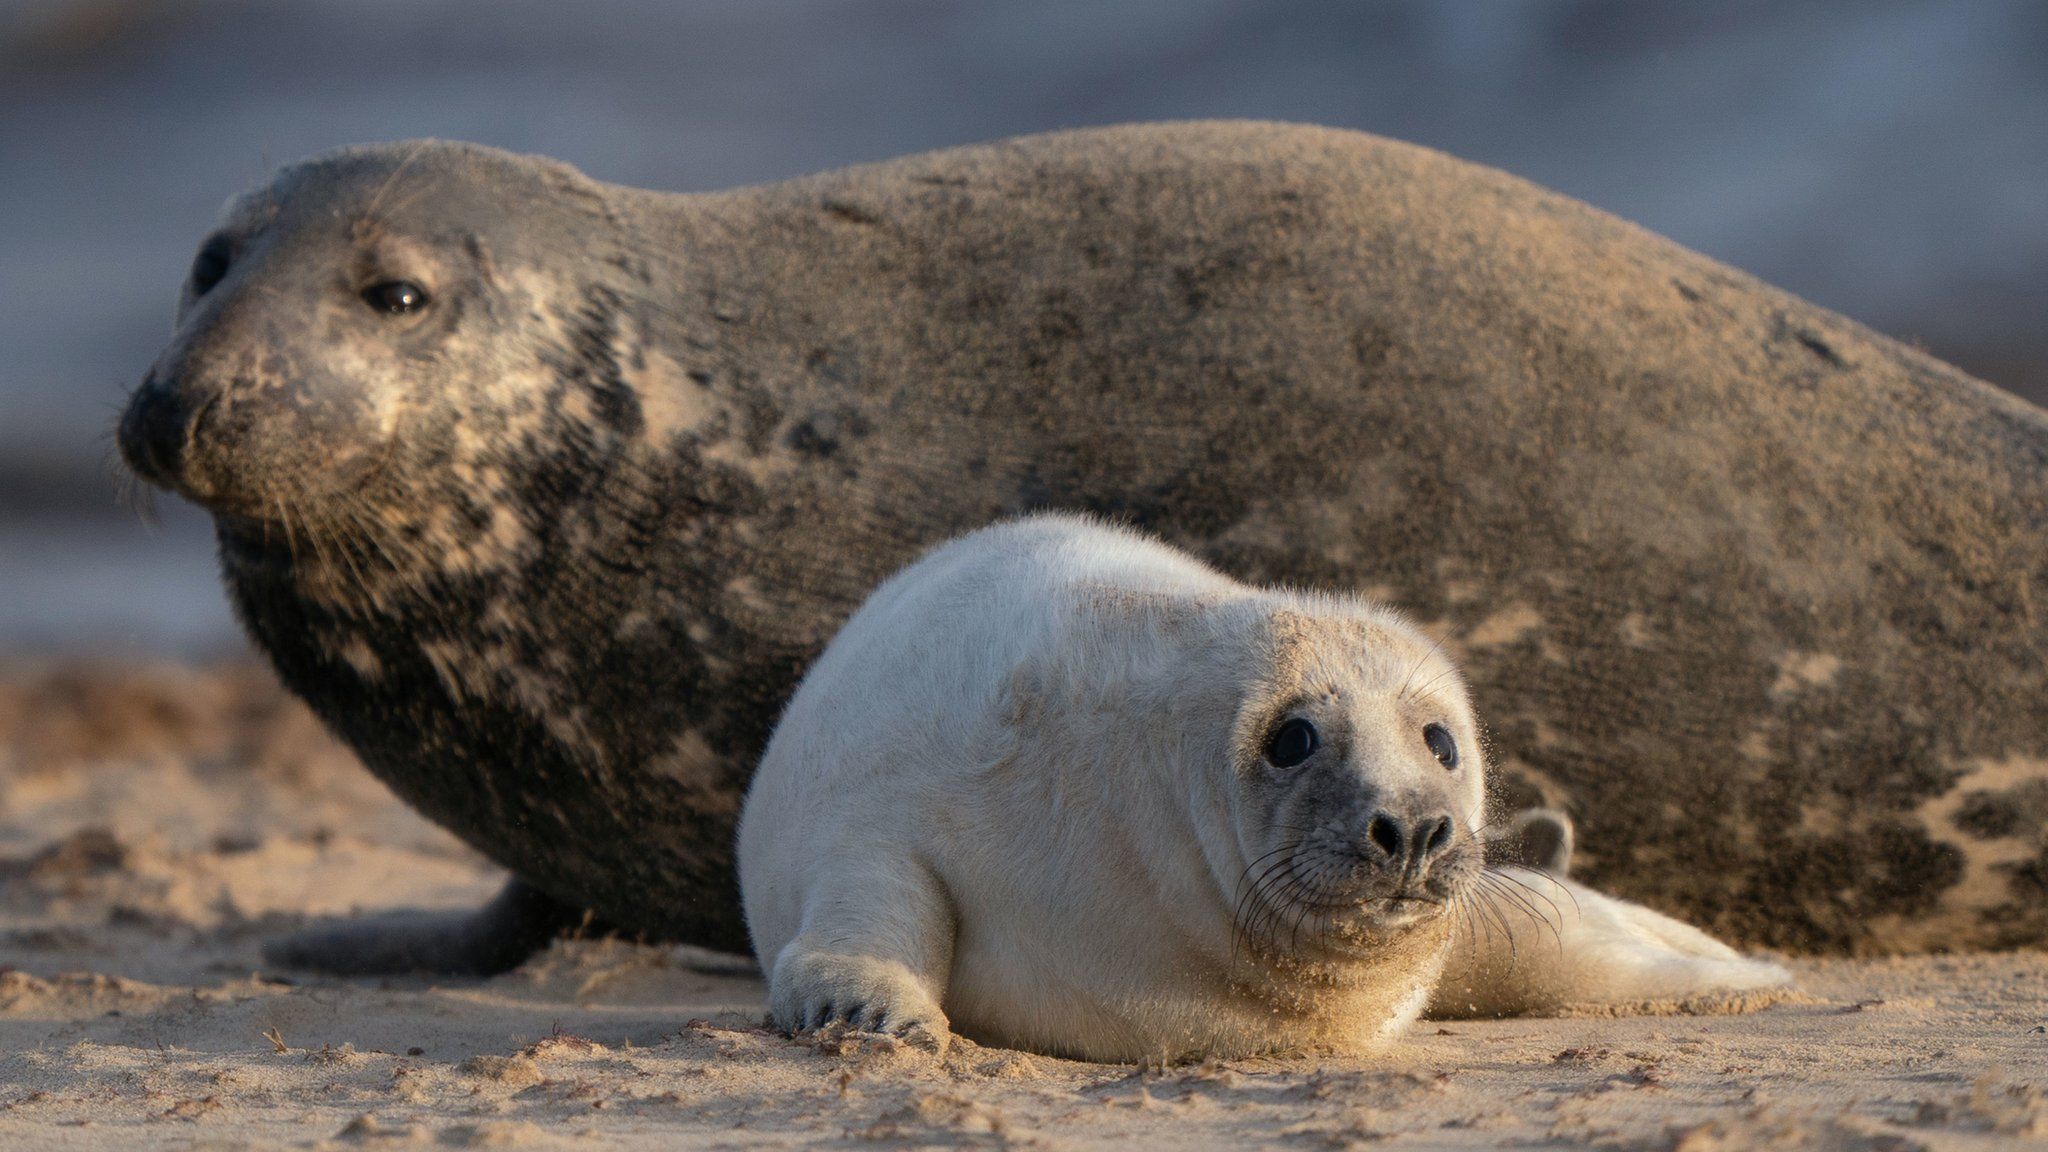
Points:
x=544, y=493
x=1057, y=786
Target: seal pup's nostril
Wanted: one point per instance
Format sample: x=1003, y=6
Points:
x=1435, y=837
x=1385, y=831
x=1415, y=842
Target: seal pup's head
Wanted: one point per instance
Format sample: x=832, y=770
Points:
x=1360, y=786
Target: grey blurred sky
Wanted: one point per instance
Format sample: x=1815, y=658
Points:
x=1887, y=159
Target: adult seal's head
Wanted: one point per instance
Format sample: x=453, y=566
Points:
x=369, y=331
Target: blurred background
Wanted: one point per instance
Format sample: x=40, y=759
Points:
x=1886, y=159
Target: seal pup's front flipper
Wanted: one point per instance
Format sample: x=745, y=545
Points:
x=519, y=921
x=1532, y=941
x=873, y=953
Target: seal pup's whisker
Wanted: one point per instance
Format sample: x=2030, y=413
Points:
x=1506, y=899
x=1504, y=874
x=1483, y=900
x=1436, y=648
x=1249, y=891
x=1272, y=903
x=1491, y=883
x=1526, y=900
x=1436, y=679
x=1271, y=876
x=1470, y=926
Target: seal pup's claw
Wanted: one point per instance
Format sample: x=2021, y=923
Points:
x=862, y=1018
x=913, y=1029
x=811, y=992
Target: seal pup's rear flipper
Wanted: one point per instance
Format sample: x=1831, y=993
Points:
x=1533, y=942
x=1538, y=838
x=519, y=921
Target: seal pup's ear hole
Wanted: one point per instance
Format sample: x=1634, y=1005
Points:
x=1292, y=743
x=210, y=267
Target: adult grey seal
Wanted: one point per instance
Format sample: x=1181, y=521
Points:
x=544, y=493
x=1057, y=786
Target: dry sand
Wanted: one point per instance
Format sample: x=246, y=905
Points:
x=157, y=824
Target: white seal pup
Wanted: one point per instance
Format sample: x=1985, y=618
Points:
x=1060, y=787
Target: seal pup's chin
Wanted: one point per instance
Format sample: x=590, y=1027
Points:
x=1354, y=930
x=1398, y=913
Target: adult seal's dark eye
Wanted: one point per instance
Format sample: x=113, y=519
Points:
x=1292, y=743
x=1441, y=744
x=395, y=297
x=210, y=267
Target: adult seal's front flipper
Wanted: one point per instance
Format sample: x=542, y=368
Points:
x=498, y=937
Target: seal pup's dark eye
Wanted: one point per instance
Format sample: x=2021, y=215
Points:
x=210, y=267
x=395, y=297
x=1441, y=744
x=1291, y=743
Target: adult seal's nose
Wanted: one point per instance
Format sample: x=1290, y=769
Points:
x=1411, y=843
x=155, y=431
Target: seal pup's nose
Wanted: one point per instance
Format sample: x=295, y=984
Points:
x=1412, y=843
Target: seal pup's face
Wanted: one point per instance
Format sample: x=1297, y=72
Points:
x=1361, y=787
x=338, y=330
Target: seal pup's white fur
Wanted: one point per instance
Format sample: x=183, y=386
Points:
x=1030, y=793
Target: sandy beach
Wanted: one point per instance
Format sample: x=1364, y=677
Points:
x=167, y=808
x=157, y=823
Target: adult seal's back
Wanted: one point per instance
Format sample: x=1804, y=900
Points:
x=543, y=493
